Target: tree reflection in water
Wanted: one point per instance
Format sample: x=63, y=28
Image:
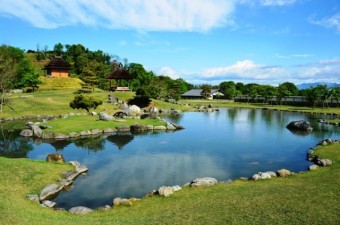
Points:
x=12, y=145
x=120, y=139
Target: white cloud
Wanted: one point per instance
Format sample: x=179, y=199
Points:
x=168, y=71
x=149, y=15
x=332, y=22
x=242, y=70
x=293, y=56
x=277, y=2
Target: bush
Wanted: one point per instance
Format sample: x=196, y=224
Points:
x=85, y=102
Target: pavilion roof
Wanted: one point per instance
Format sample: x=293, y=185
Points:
x=120, y=74
x=57, y=63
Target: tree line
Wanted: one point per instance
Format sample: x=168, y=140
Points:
x=19, y=70
x=316, y=95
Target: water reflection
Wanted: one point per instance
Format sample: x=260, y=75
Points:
x=225, y=145
x=120, y=140
x=13, y=146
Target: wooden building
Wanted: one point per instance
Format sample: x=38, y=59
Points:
x=57, y=67
x=118, y=75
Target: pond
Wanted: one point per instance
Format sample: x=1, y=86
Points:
x=226, y=144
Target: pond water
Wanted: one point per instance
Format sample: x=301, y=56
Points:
x=225, y=145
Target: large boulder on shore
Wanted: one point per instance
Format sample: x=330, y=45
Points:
x=80, y=210
x=205, y=181
x=300, y=125
x=105, y=117
x=55, y=157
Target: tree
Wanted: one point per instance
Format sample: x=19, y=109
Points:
x=267, y=92
x=228, y=88
x=206, y=90
x=27, y=76
x=9, y=56
x=286, y=89
x=85, y=102
x=58, y=49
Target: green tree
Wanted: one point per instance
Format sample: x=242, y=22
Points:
x=85, y=102
x=286, y=89
x=9, y=56
x=27, y=76
x=58, y=49
x=206, y=90
x=267, y=92
x=229, y=89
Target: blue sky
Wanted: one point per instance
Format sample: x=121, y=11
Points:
x=201, y=41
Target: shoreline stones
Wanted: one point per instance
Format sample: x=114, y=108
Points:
x=51, y=191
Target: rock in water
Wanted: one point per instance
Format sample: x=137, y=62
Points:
x=300, y=125
x=55, y=157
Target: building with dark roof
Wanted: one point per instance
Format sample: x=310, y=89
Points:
x=197, y=93
x=57, y=67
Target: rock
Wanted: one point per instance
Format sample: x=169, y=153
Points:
x=93, y=114
x=96, y=131
x=55, y=157
x=85, y=133
x=48, y=204
x=284, y=173
x=61, y=136
x=263, y=176
x=37, y=132
x=81, y=210
x=324, y=162
x=153, y=112
x=49, y=191
x=159, y=128
x=300, y=125
x=26, y=133
x=271, y=173
x=134, y=111
x=123, y=128
x=313, y=167
x=125, y=108
x=176, y=188
x=81, y=169
x=108, y=130
x=73, y=135
x=33, y=197
x=65, y=182
x=137, y=128
x=105, y=117
x=122, y=201
x=104, y=208
x=70, y=176
x=48, y=135
x=205, y=181
x=169, y=126
x=165, y=191
x=74, y=163
x=149, y=127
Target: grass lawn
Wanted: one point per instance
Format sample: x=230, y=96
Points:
x=226, y=104
x=306, y=198
x=82, y=123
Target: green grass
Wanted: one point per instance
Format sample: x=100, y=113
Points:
x=226, y=104
x=55, y=102
x=306, y=198
x=82, y=123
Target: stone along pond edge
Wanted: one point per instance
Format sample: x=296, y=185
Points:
x=44, y=198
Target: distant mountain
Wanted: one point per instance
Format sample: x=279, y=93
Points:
x=308, y=85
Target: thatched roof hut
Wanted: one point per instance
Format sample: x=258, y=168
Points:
x=57, y=67
x=118, y=75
